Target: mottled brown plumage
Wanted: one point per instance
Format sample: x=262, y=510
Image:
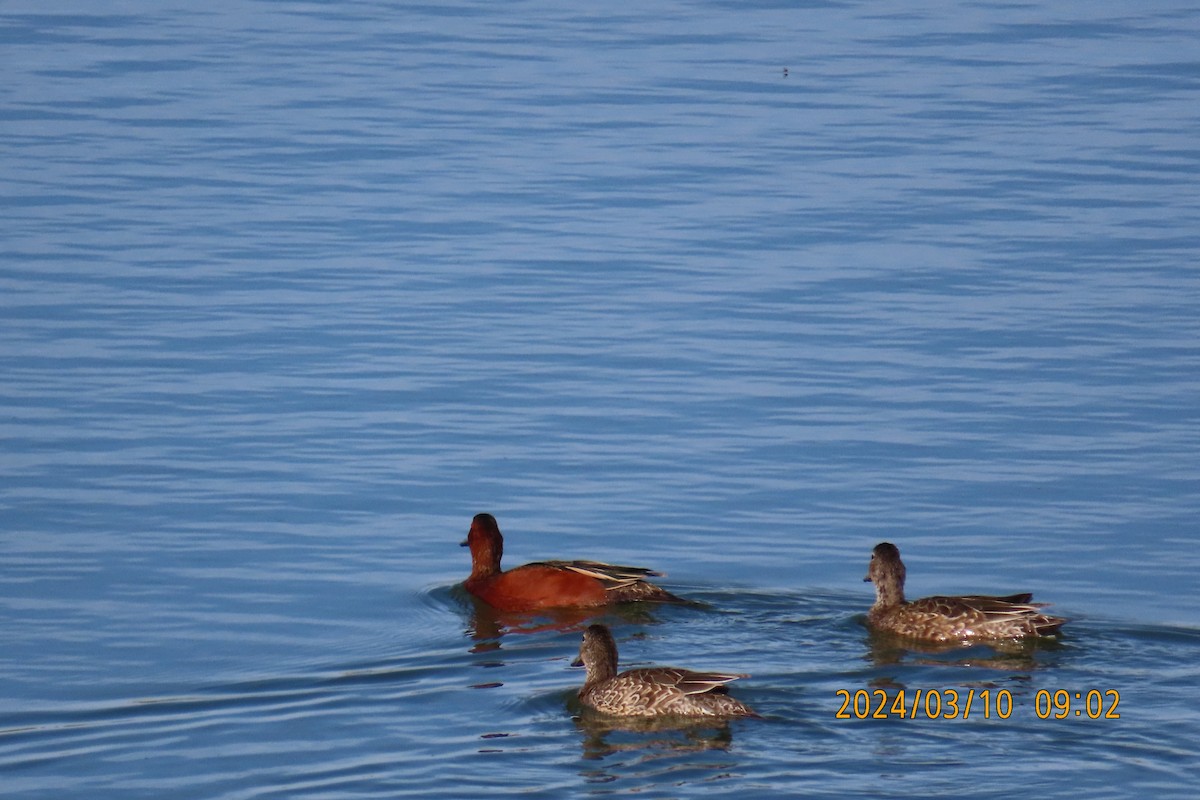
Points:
x=945, y=619
x=653, y=691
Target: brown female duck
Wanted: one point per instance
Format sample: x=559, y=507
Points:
x=652, y=691
x=946, y=619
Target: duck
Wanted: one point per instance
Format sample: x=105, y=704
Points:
x=651, y=691
x=550, y=584
x=947, y=619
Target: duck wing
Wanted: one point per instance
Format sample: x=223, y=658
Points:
x=685, y=680
x=613, y=576
x=1001, y=617
x=1020, y=598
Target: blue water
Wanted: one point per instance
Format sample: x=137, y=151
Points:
x=290, y=291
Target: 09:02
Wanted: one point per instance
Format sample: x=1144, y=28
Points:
x=1058, y=704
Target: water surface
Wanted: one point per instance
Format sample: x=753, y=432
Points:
x=288, y=292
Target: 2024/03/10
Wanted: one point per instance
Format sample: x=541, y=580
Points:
x=988, y=703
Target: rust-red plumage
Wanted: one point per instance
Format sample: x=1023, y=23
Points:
x=550, y=584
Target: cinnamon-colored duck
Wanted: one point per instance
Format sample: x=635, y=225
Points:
x=651, y=691
x=550, y=584
x=947, y=619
